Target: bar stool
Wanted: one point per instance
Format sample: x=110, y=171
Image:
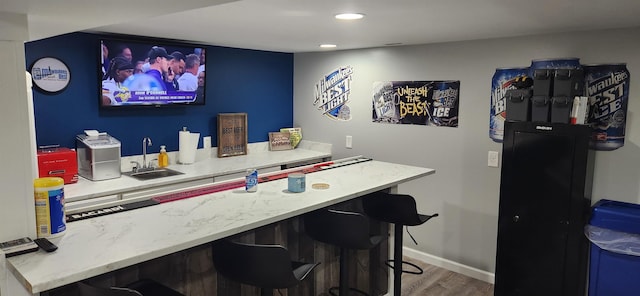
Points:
x=347, y=230
x=145, y=287
x=265, y=266
x=400, y=210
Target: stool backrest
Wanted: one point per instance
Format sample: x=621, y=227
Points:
x=264, y=266
x=392, y=208
x=343, y=229
x=89, y=290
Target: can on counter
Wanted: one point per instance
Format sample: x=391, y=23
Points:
x=503, y=80
x=49, y=203
x=251, y=180
x=607, y=86
x=296, y=182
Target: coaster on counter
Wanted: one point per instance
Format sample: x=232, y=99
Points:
x=320, y=186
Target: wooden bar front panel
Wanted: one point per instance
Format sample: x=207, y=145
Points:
x=192, y=273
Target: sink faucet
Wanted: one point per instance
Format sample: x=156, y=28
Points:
x=136, y=166
x=146, y=141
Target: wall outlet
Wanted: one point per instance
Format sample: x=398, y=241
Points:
x=493, y=159
x=206, y=142
x=349, y=142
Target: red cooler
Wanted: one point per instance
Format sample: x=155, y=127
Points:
x=58, y=162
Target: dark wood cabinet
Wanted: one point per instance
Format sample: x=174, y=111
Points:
x=545, y=193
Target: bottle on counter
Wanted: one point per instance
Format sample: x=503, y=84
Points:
x=163, y=158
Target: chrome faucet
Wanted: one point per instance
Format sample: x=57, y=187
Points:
x=136, y=166
x=146, y=141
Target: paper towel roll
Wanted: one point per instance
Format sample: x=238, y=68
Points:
x=183, y=140
x=187, y=146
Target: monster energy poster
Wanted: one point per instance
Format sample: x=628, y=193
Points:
x=433, y=103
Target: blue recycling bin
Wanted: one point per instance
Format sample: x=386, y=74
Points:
x=614, y=232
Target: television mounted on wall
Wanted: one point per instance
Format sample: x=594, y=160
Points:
x=140, y=71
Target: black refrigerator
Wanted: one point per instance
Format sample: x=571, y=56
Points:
x=545, y=196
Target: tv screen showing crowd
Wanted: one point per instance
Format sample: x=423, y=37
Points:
x=136, y=73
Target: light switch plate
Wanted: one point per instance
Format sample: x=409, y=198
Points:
x=493, y=159
x=349, y=142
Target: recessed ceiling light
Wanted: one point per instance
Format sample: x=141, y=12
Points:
x=349, y=16
x=328, y=45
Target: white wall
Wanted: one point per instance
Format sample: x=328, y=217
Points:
x=464, y=191
x=17, y=216
x=3, y=275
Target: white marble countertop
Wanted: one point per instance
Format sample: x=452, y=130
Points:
x=99, y=245
x=206, y=165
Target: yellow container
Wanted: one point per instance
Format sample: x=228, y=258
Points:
x=49, y=201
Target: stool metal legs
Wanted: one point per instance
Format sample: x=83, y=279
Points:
x=398, y=263
x=266, y=292
x=397, y=259
x=344, y=289
x=344, y=272
x=399, y=210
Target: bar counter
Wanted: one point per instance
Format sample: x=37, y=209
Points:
x=104, y=244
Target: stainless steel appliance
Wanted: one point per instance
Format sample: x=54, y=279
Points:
x=98, y=157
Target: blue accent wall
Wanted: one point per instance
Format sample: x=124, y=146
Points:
x=259, y=83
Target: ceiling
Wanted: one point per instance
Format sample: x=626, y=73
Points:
x=302, y=25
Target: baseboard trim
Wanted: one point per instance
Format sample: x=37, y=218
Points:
x=450, y=265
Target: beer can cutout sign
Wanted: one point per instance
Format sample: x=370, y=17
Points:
x=502, y=80
x=607, y=86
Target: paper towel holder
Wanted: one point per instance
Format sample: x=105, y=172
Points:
x=188, y=145
x=232, y=134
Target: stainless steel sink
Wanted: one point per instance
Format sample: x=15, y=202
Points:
x=153, y=174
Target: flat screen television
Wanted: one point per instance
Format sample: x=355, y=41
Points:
x=137, y=71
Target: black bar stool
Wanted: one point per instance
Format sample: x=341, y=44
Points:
x=400, y=210
x=265, y=266
x=145, y=287
x=347, y=230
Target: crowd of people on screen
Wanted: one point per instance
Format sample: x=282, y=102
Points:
x=159, y=71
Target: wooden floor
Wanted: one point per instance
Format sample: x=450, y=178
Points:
x=436, y=281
